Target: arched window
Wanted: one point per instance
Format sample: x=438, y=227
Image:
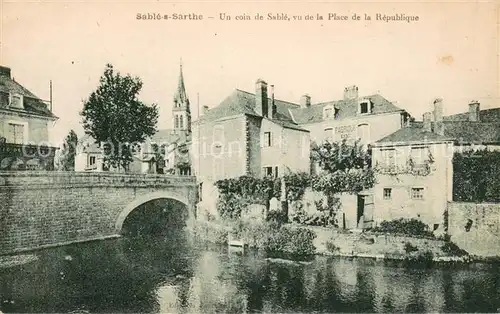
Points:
x=176, y=125
x=181, y=122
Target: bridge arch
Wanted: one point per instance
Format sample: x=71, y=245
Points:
x=144, y=199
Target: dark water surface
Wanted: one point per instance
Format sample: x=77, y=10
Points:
x=171, y=274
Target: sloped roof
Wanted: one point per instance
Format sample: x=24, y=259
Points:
x=347, y=109
x=242, y=102
x=464, y=132
x=32, y=103
x=485, y=115
x=413, y=133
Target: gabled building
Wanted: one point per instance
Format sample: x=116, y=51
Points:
x=25, y=120
x=414, y=164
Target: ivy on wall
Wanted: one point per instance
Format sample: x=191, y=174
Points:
x=345, y=168
x=476, y=176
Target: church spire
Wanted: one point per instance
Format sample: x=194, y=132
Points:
x=180, y=98
x=181, y=111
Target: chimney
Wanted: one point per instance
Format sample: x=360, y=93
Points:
x=272, y=108
x=261, y=106
x=427, y=118
x=351, y=92
x=4, y=71
x=474, y=109
x=305, y=101
x=205, y=110
x=438, y=117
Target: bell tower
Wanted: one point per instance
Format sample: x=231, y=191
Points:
x=181, y=113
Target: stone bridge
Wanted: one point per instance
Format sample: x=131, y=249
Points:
x=43, y=209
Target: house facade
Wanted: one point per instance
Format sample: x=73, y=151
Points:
x=415, y=164
x=247, y=134
x=25, y=120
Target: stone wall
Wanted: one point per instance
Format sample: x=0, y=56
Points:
x=475, y=227
x=39, y=209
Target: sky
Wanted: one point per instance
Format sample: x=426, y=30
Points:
x=450, y=53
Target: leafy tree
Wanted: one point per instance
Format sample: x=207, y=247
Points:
x=113, y=115
x=346, y=168
x=67, y=155
x=475, y=176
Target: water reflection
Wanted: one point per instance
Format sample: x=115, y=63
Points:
x=170, y=274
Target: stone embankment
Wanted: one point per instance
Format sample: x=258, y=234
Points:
x=342, y=243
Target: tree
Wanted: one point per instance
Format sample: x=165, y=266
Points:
x=115, y=117
x=346, y=169
x=67, y=154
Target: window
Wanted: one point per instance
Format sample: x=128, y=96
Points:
x=16, y=100
x=91, y=160
x=417, y=193
x=388, y=157
x=365, y=107
x=200, y=192
x=329, y=134
x=328, y=112
x=16, y=133
x=176, y=125
x=267, y=171
x=336, y=117
x=276, y=171
x=419, y=155
x=267, y=139
x=387, y=193
x=181, y=122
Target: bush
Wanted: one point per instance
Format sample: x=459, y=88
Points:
x=287, y=239
x=409, y=248
x=273, y=236
x=410, y=227
x=452, y=249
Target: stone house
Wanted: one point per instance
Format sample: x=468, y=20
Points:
x=414, y=164
x=25, y=120
x=247, y=134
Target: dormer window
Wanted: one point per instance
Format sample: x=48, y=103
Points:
x=328, y=112
x=365, y=106
x=16, y=100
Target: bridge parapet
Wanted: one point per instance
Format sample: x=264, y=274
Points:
x=71, y=178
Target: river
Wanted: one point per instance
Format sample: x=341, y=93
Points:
x=174, y=274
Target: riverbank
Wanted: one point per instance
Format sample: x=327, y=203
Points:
x=335, y=242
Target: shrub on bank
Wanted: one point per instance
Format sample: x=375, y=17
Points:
x=409, y=227
x=272, y=236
